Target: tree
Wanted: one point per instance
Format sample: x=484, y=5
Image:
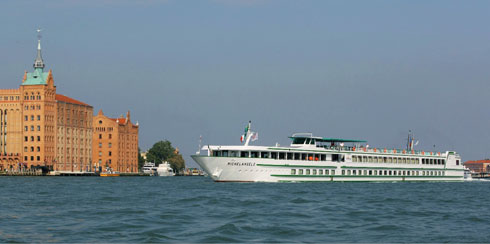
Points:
x=160, y=151
x=141, y=160
x=177, y=162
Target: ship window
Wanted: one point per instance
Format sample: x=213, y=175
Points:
x=233, y=154
x=274, y=155
x=343, y=172
x=303, y=156
x=253, y=154
x=244, y=154
x=293, y=171
x=457, y=162
x=444, y=161
x=307, y=171
x=337, y=158
x=310, y=157
x=354, y=158
x=348, y=172
x=332, y=172
x=354, y=172
x=299, y=140
x=323, y=157
x=264, y=154
x=300, y=171
x=320, y=171
x=390, y=160
x=408, y=173
x=289, y=156
x=365, y=172
x=317, y=157
x=314, y=172
x=297, y=156
x=281, y=155
x=225, y=153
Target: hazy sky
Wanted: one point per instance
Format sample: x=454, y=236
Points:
x=352, y=69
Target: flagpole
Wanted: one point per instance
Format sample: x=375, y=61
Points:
x=247, y=139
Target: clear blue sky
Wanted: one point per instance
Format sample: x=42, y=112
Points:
x=352, y=69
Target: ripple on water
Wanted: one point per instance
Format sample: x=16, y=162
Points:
x=194, y=209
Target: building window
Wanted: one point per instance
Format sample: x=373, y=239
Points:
x=38, y=138
x=38, y=128
x=100, y=145
x=38, y=149
x=38, y=117
x=110, y=153
x=25, y=158
x=26, y=118
x=100, y=121
x=110, y=136
x=32, y=117
x=38, y=158
x=32, y=127
x=32, y=138
x=32, y=158
x=100, y=153
x=25, y=149
x=110, y=145
x=100, y=136
x=26, y=128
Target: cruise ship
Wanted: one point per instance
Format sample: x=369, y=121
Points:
x=314, y=159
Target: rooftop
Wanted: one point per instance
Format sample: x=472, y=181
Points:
x=66, y=99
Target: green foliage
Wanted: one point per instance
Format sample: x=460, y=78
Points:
x=177, y=162
x=141, y=160
x=163, y=151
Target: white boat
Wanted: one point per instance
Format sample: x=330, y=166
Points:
x=149, y=168
x=467, y=174
x=311, y=158
x=164, y=169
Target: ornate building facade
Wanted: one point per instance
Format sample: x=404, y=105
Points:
x=41, y=128
x=115, y=143
x=29, y=123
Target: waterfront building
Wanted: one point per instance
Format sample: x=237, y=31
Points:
x=34, y=124
x=478, y=166
x=74, y=135
x=115, y=143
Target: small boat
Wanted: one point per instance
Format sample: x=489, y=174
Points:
x=164, y=169
x=149, y=168
x=110, y=174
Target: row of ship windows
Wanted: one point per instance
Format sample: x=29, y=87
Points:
x=323, y=157
x=367, y=172
x=277, y=155
x=374, y=159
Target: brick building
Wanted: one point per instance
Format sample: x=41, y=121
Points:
x=478, y=166
x=115, y=143
x=39, y=127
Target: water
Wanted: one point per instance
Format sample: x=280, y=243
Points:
x=195, y=209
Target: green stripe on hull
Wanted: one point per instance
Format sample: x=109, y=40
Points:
x=354, y=167
x=297, y=166
x=365, y=176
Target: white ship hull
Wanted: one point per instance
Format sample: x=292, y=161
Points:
x=235, y=169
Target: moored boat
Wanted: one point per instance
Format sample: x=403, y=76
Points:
x=164, y=169
x=311, y=158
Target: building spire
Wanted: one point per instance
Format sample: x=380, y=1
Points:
x=38, y=63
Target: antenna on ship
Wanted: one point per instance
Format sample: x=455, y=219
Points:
x=199, y=149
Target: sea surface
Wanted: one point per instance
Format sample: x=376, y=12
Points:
x=196, y=209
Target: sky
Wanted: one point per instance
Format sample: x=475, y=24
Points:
x=369, y=70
